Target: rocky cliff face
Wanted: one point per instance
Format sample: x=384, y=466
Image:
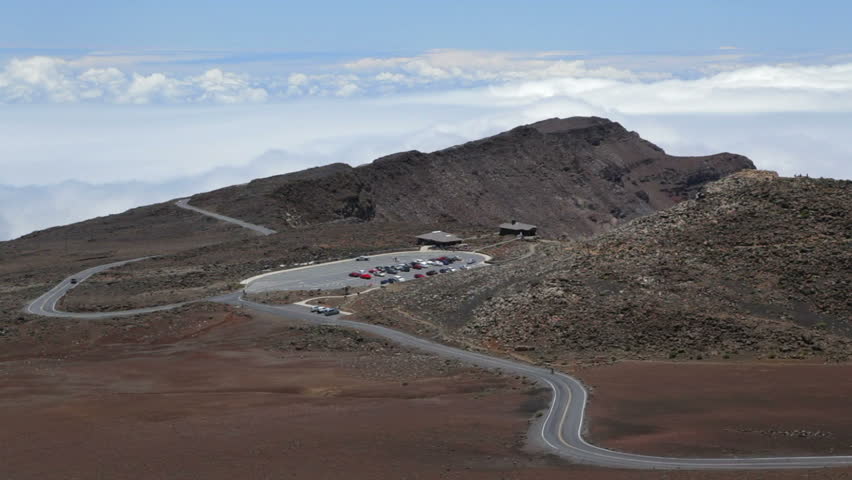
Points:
x=572, y=177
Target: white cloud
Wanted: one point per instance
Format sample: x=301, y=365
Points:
x=727, y=85
x=36, y=79
x=473, y=67
x=785, y=116
x=55, y=80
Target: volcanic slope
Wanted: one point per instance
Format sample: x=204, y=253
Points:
x=755, y=266
x=573, y=177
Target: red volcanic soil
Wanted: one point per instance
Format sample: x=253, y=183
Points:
x=209, y=392
x=755, y=409
x=251, y=398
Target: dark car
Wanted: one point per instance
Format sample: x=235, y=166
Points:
x=386, y=281
x=73, y=281
x=406, y=268
x=444, y=270
x=431, y=272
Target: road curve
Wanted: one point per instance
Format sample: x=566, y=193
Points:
x=184, y=203
x=559, y=431
x=45, y=305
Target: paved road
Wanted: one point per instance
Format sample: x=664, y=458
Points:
x=184, y=203
x=333, y=275
x=559, y=431
x=45, y=305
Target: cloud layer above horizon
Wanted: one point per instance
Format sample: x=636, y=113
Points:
x=722, y=80
x=114, y=131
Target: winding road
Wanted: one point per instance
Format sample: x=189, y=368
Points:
x=184, y=203
x=559, y=431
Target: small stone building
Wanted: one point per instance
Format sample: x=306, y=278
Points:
x=438, y=238
x=518, y=228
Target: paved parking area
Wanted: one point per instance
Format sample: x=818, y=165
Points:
x=327, y=276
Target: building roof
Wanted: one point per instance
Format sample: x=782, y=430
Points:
x=517, y=226
x=440, y=237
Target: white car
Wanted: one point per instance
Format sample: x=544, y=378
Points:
x=318, y=309
x=399, y=279
x=379, y=274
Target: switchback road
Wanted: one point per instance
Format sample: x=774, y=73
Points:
x=560, y=431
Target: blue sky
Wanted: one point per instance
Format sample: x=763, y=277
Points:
x=406, y=27
x=109, y=105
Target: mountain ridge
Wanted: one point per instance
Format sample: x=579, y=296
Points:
x=578, y=176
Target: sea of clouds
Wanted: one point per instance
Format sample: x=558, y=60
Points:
x=81, y=138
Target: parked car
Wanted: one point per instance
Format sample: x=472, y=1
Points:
x=399, y=279
x=330, y=311
x=386, y=281
x=418, y=266
x=471, y=261
x=405, y=269
x=380, y=274
x=444, y=270
x=317, y=308
x=431, y=272
x=355, y=274
x=320, y=309
x=366, y=276
x=419, y=275
x=363, y=259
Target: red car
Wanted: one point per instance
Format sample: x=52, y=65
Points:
x=366, y=276
x=419, y=275
x=355, y=274
x=417, y=266
x=372, y=270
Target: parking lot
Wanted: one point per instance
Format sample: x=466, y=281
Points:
x=334, y=275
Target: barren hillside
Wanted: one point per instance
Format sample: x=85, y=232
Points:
x=573, y=177
x=755, y=266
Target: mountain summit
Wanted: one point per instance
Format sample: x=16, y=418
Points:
x=572, y=177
